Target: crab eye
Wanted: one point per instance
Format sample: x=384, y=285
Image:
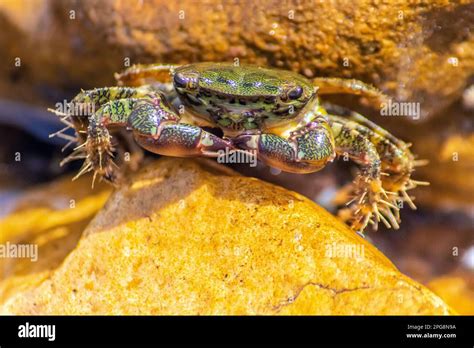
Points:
x=180, y=81
x=295, y=93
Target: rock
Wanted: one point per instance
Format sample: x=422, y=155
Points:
x=416, y=51
x=192, y=237
x=52, y=217
x=428, y=245
x=457, y=290
x=450, y=170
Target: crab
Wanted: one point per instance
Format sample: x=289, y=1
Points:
x=275, y=115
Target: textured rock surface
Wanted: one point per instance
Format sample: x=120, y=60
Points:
x=52, y=217
x=191, y=237
x=420, y=51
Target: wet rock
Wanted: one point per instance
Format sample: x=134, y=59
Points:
x=450, y=152
x=457, y=290
x=50, y=218
x=417, y=52
x=192, y=237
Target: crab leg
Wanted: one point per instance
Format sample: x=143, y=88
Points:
x=356, y=117
x=367, y=188
x=99, y=96
x=398, y=162
x=155, y=127
x=85, y=103
x=334, y=85
x=94, y=143
x=387, y=164
x=141, y=74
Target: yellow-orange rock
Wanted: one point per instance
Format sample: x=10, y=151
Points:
x=457, y=290
x=52, y=217
x=419, y=51
x=191, y=237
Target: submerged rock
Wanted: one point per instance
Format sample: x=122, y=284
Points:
x=193, y=237
x=457, y=290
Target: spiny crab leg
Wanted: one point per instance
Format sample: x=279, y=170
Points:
x=376, y=192
x=154, y=125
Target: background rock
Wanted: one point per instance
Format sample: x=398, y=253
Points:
x=407, y=49
x=418, y=51
x=457, y=290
